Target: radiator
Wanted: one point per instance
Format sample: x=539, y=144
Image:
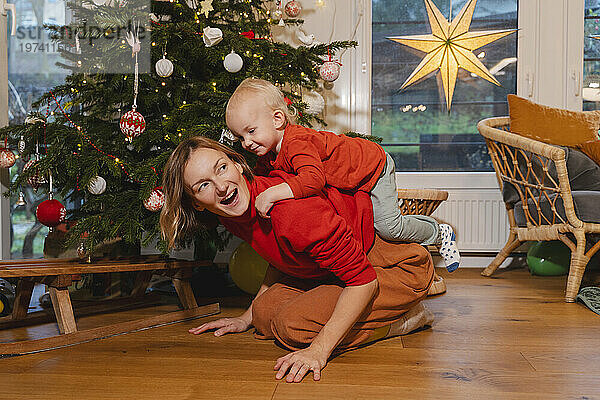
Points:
x=474, y=207
x=478, y=217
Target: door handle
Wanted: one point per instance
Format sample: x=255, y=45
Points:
x=5, y=8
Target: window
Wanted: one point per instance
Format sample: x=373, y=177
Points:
x=415, y=126
x=32, y=71
x=591, y=56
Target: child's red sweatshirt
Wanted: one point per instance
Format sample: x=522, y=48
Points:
x=317, y=158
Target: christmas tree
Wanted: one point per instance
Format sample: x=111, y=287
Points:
x=100, y=140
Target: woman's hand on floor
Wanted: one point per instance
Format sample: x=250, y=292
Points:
x=223, y=326
x=299, y=363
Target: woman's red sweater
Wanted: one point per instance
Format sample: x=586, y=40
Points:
x=313, y=237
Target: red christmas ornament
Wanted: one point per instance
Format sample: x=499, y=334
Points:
x=293, y=8
x=249, y=34
x=155, y=201
x=35, y=180
x=7, y=158
x=329, y=71
x=51, y=213
x=132, y=124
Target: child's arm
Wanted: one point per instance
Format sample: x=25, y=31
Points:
x=265, y=200
x=305, y=161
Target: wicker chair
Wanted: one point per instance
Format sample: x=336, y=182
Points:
x=423, y=202
x=538, y=173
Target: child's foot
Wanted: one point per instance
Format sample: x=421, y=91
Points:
x=448, y=249
x=417, y=317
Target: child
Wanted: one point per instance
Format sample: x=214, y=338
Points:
x=258, y=115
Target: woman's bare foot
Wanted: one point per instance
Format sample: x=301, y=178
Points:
x=417, y=317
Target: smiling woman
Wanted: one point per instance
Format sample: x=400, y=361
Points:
x=322, y=294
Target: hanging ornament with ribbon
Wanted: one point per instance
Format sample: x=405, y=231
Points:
x=132, y=123
x=293, y=8
x=233, y=62
x=51, y=212
x=164, y=66
x=37, y=179
x=21, y=146
x=7, y=157
x=278, y=13
x=155, y=201
x=330, y=70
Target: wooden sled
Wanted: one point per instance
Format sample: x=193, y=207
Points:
x=58, y=275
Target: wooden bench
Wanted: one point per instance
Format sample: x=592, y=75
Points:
x=58, y=275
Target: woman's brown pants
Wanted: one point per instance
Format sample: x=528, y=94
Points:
x=293, y=311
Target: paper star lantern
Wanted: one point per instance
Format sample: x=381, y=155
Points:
x=449, y=47
x=206, y=7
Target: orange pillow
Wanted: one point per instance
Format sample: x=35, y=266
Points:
x=556, y=126
x=591, y=149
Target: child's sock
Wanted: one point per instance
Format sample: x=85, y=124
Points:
x=447, y=247
x=417, y=317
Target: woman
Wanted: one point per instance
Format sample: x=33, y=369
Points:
x=321, y=293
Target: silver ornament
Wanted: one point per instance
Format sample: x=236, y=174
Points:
x=97, y=185
x=314, y=101
x=21, y=146
x=164, y=67
x=233, y=62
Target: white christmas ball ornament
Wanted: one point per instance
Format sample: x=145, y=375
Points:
x=293, y=8
x=155, y=201
x=211, y=36
x=97, y=185
x=329, y=71
x=314, y=101
x=277, y=14
x=233, y=62
x=164, y=67
x=7, y=158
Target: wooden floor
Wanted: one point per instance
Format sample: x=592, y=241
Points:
x=511, y=337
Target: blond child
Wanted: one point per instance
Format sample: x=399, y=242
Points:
x=257, y=114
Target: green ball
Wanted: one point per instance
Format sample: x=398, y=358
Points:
x=247, y=268
x=549, y=258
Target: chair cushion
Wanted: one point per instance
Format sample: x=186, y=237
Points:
x=552, y=125
x=586, y=207
x=584, y=174
x=556, y=126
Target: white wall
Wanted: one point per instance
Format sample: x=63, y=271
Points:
x=334, y=21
